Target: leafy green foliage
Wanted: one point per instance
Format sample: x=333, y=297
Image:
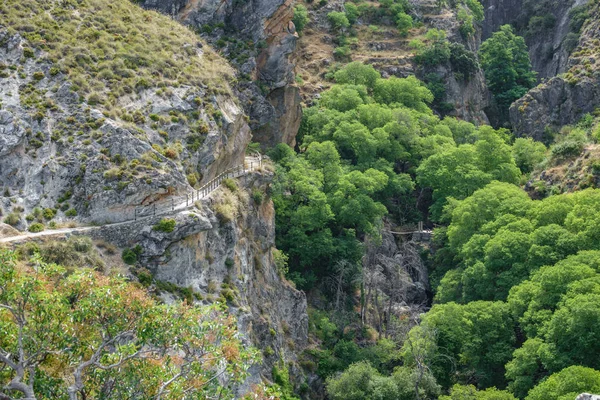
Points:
x=528, y=154
x=567, y=384
x=166, y=225
x=78, y=332
x=338, y=20
x=404, y=23
x=435, y=52
x=505, y=62
x=300, y=18
x=469, y=392
x=474, y=340
x=362, y=381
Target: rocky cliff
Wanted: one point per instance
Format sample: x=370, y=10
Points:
x=261, y=40
x=133, y=110
x=223, y=250
x=87, y=137
x=544, y=24
x=563, y=99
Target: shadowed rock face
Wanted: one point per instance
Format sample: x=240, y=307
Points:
x=275, y=115
x=548, y=56
x=564, y=99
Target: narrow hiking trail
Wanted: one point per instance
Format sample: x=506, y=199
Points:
x=251, y=163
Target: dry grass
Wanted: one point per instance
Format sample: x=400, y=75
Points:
x=109, y=48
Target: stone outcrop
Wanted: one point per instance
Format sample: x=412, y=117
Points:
x=587, y=396
x=99, y=164
x=564, y=99
x=231, y=260
x=274, y=111
x=552, y=105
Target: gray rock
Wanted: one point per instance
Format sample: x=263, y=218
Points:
x=11, y=132
x=553, y=105
x=587, y=396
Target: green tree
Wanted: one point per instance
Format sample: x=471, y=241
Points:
x=567, y=384
x=525, y=370
x=79, y=332
x=528, y=154
x=469, y=392
x=409, y=92
x=505, y=62
x=338, y=20
x=300, y=18
x=404, y=23
x=352, y=12
x=357, y=73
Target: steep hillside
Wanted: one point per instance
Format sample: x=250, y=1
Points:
x=120, y=113
x=375, y=39
x=566, y=98
x=107, y=109
x=259, y=39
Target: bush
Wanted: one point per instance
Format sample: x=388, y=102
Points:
x=130, y=256
x=352, y=12
x=81, y=244
x=463, y=60
x=300, y=18
x=165, y=225
x=49, y=213
x=12, y=219
x=230, y=184
x=257, y=196
x=567, y=149
x=338, y=20
x=404, y=23
x=71, y=212
x=36, y=227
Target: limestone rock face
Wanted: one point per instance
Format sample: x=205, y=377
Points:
x=275, y=112
x=548, y=55
x=564, y=99
x=587, y=396
x=228, y=259
x=552, y=105
x=102, y=165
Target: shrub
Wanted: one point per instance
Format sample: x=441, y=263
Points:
x=338, y=20
x=230, y=184
x=257, y=196
x=165, y=225
x=12, y=219
x=225, y=212
x=36, y=227
x=38, y=76
x=352, y=12
x=71, y=212
x=130, y=256
x=229, y=263
x=81, y=244
x=567, y=149
x=171, y=153
x=300, y=17
x=404, y=23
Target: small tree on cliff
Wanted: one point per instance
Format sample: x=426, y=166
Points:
x=505, y=62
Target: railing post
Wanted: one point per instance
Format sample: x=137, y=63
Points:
x=187, y=200
x=154, y=209
x=172, y=204
x=135, y=214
